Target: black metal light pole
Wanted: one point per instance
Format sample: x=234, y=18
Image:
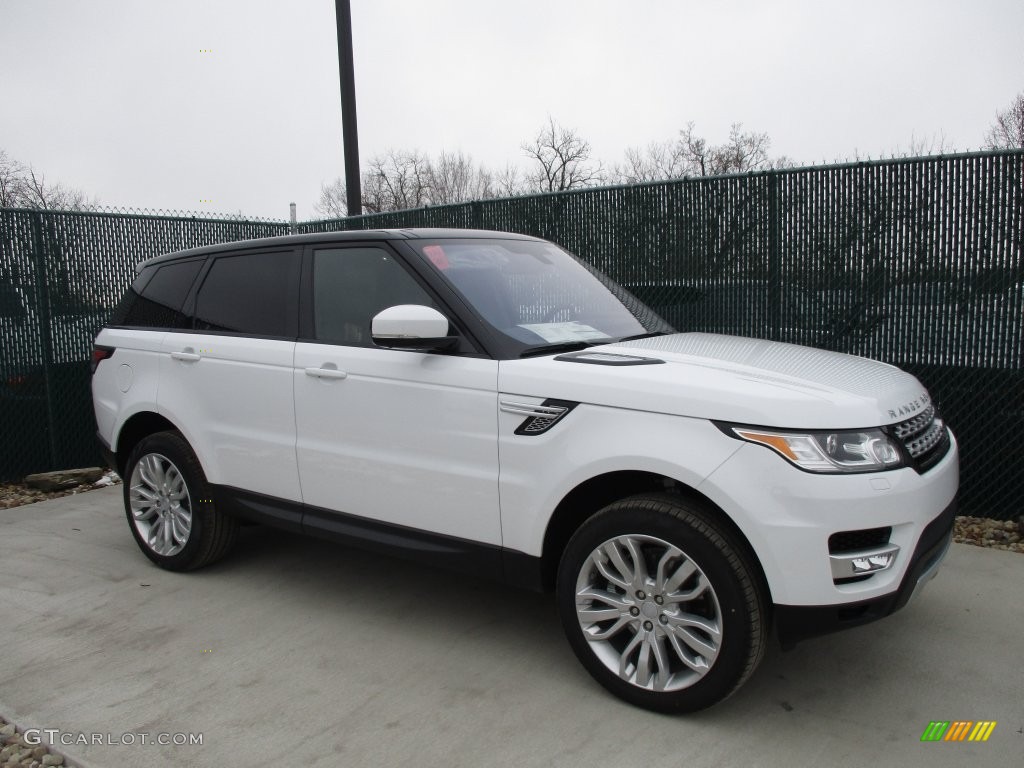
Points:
x=348, y=108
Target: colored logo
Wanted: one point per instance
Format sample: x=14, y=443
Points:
x=958, y=730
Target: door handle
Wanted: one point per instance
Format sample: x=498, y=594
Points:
x=326, y=373
x=187, y=355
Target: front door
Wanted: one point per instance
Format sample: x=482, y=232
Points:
x=404, y=438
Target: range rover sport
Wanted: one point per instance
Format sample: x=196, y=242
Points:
x=484, y=401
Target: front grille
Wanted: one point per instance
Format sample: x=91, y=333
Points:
x=853, y=541
x=925, y=438
x=915, y=425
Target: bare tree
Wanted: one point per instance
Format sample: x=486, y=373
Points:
x=936, y=144
x=509, y=182
x=660, y=160
x=333, y=200
x=693, y=155
x=698, y=155
x=742, y=152
x=54, y=197
x=21, y=186
x=455, y=178
x=396, y=181
x=1007, y=132
x=561, y=160
x=12, y=181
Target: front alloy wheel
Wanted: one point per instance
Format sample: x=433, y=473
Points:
x=662, y=603
x=649, y=613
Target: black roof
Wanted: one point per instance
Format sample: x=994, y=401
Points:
x=336, y=237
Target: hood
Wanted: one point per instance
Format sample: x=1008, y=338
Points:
x=726, y=378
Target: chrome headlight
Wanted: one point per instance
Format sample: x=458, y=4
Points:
x=861, y=450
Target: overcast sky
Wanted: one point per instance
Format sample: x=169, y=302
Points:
x=161, y=104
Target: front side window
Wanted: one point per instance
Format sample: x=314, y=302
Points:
x=351, y=285
x=248, y=294
x=537, y=295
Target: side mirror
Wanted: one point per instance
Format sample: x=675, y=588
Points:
x=413, y=327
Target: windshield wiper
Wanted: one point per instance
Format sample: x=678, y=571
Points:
x=650, y=335
x=562, y=346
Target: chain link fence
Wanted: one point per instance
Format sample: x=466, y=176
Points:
x=917, y=262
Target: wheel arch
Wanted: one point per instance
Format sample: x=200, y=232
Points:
x=137, y=427
x=591, y=496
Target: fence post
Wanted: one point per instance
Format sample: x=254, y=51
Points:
x=775, y=297
x=45, y=335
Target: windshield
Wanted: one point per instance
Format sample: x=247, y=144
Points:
x=537, y=295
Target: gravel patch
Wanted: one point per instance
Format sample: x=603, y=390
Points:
x=996, y=534
x=17, y=752
x=19, y=494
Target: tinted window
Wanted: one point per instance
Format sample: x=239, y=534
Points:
x=157, y=296
x=351, y=285
x=248, y=294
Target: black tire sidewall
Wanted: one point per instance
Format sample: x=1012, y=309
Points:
x=173, y=447
x=710, y=554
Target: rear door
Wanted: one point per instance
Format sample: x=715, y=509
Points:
x=227, y=381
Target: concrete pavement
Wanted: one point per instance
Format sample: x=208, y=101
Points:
x=301, y=653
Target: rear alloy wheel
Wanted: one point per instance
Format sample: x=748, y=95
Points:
x=161, y=506
x=660, y=605
x=169, y=505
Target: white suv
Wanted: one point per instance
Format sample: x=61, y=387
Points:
x=484, y=401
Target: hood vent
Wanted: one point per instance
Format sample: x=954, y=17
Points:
x=595, y=357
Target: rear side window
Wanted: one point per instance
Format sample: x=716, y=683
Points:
x=251, y=294
x=156, y=297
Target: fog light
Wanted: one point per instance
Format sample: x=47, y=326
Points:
x=863, y=563
x=872, y=563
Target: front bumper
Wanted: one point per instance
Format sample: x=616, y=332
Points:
x=797, y=622
x=801, y=525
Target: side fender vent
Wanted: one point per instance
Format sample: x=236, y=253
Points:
x=539, y=418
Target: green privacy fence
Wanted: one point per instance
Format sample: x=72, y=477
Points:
x=917, y=262
x=61, y=273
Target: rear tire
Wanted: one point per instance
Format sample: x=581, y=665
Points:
x=661, y=604
x=170, y=507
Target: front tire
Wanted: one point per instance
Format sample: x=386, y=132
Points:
x=661, y=604
x=170, y=507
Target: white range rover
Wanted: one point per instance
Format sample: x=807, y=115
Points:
x=484, y=401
